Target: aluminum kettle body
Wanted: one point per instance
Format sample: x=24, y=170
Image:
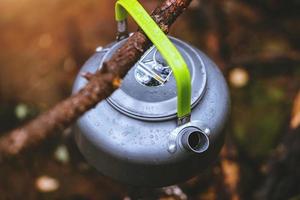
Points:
x=133, y=136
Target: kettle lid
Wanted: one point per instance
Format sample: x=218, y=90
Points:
x=148, y=91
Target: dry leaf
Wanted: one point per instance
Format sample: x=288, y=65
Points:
x=295, y=119
x=47, y=184
x=238, y=77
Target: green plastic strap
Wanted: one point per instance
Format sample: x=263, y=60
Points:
x=165, y=47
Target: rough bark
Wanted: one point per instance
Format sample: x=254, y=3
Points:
x=100, y=86
x=282, y=170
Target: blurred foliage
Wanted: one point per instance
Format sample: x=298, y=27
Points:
x=258, y=122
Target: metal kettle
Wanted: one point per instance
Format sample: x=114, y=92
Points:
x=164, y=124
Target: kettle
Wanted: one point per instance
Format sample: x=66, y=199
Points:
x=165, y=123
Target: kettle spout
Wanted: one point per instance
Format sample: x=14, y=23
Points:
x=195, y=140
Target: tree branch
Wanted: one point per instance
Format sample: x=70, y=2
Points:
x=100, y=86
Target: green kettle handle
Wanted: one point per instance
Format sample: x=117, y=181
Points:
x=167, y=50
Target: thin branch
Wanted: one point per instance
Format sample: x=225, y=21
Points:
x=230, y=170
x=99, y=87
